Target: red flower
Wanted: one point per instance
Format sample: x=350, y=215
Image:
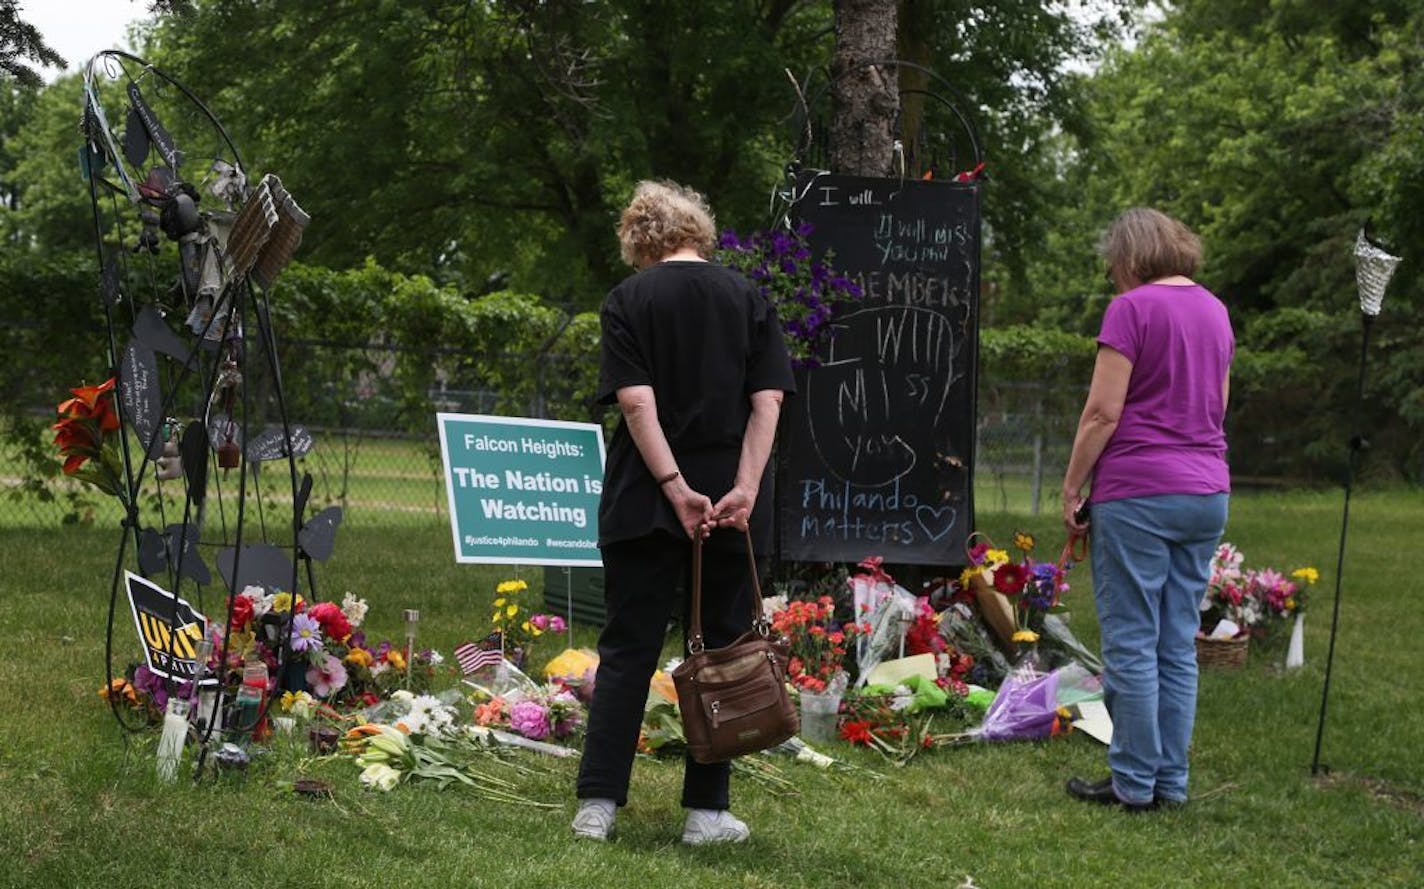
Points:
x=333, y=622
x=241, y=608
x=857, y=732
x=1009, y=578
x=808, y=682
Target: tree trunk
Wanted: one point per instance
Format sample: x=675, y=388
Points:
x=915, y=27
x=864, y=98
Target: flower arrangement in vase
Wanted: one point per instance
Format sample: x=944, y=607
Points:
x=818, y=642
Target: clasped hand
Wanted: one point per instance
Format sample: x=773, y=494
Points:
x=699, y=516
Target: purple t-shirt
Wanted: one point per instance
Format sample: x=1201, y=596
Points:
x=1169, y=439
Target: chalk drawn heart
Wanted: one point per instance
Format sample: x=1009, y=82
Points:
x=931, y=517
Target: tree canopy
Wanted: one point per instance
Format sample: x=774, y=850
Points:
x=487, y=147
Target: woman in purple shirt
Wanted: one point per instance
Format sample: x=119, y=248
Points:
x=1151, y=438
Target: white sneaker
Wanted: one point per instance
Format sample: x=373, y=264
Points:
x=713, y=826
x=594, y=820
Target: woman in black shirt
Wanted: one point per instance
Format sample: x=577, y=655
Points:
x=694, y=358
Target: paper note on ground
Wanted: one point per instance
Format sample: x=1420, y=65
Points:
x=1094, y=721
x=892, y=672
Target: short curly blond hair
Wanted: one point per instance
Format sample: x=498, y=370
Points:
x=1145, y=244
x=664, y=217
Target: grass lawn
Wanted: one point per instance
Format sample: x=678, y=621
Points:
x=79, y=804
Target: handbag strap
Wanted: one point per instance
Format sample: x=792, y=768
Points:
x=1074, y=550
x=695, y=644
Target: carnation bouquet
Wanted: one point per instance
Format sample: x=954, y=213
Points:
x=817, y=640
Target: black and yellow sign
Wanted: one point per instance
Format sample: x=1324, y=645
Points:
x=170, y=631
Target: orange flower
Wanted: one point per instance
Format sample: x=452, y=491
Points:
x=490, y=712
x=122, y=688
x=86, y=399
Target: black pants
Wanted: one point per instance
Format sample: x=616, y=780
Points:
x=640, y=582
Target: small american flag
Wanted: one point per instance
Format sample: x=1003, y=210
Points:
x=484, y=653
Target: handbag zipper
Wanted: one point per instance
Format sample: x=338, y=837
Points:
x=716, y=706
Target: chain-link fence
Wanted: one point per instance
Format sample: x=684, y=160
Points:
x=371, y=415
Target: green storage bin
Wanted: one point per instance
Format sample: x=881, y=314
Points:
x=586, y=586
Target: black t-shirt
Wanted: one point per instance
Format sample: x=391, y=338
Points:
x=703, y=337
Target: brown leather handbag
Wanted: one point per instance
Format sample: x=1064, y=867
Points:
x=734, y=699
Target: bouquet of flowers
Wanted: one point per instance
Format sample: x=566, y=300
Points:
x=425, y=742
x=1256, y=600
x=817, y=640
x=328, y=652
x=1226, y=597
x=85, y=434
x=805, y=292
x=551, y=713
x=143, y=692
x=1032, y=588
x=1281, y=596
x=513, y=618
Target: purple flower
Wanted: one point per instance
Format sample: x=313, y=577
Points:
x=306, y=633
x=730, y=241
x=151, y=684
x=804, y=229
x=1045, y=579
x=530, y=719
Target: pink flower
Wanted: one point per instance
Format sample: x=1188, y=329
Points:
x=530, y=719
x=557, y=624
x=328, y=677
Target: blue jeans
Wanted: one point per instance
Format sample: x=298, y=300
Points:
x=1151, y=560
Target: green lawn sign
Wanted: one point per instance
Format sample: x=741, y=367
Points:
x=522, y=491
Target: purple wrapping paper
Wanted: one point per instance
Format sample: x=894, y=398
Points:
x=1024, y=708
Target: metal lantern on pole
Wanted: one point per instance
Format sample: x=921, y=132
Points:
x=412, y=621
x=1374, y=266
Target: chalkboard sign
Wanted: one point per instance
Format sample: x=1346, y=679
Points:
x=876, y=452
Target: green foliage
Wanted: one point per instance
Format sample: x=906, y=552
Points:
x=372, y=330
x=20, y=42
x=1275, y=131
x=1024, y=352
x=471, y=140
